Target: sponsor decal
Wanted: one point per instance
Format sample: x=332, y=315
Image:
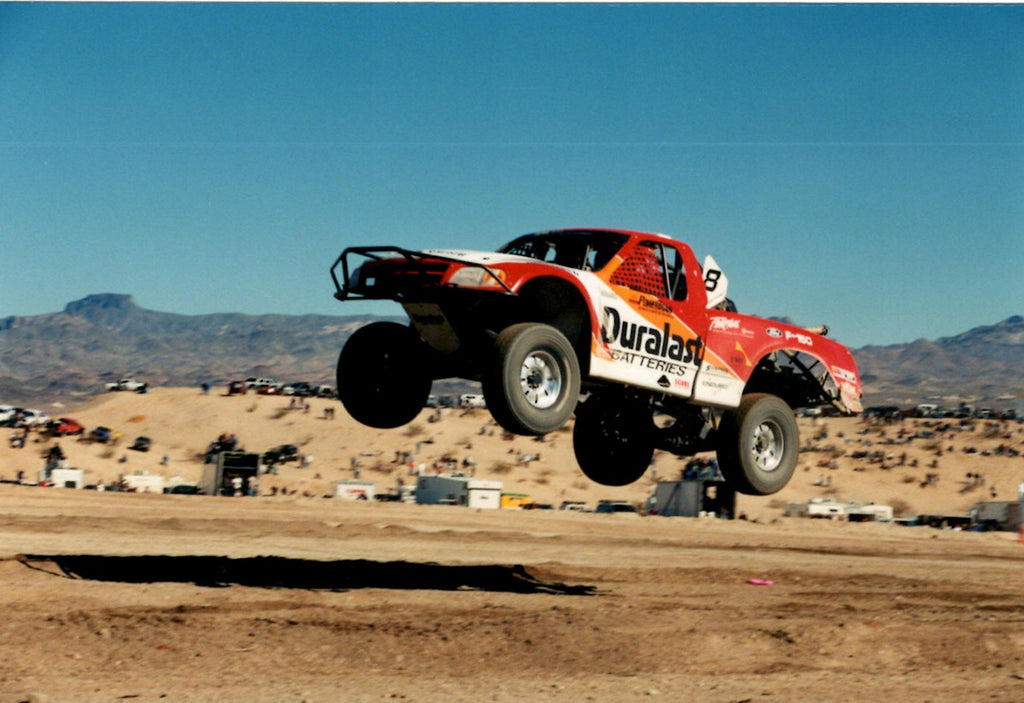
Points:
x=649, y=347
x=650, y=305
x=772, y=332
x=664, y=382
x=844, y=374
x=745, y=359
x=714, y=385
x=804, y=339
x=428, y=319
x=724, y=324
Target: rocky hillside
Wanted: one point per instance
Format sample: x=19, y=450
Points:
x=984, y=364
x=67, y=356
x=70, y=354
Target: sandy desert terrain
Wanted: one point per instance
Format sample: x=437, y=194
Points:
x=182, y=422
x=114, y=596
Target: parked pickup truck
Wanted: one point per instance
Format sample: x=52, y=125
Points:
x=127, y=384
x=618, y=327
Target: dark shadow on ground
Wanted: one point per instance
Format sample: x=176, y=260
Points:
x=280, y=572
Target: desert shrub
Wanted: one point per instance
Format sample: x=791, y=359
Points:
x=279, y=413
x=900, y=507
x=413, y=430
x=933, y=445
x=501, y=467
x=379, y=467
x=909, y=479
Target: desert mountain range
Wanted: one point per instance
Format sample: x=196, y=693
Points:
x=67, y=356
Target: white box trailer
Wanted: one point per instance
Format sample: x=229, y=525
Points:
x=458, y=490
x=352, y=489
x=143, y=483
x=818, y=508
x=870, y=513
x=63, y=477
x=829, y=508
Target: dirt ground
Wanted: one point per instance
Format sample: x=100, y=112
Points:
x=292, y=597
x=367, y=602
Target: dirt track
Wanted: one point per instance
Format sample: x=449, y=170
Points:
x=605, y=607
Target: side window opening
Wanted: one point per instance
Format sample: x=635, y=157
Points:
x=675, y=273
x=655, y=269
x=642, y=271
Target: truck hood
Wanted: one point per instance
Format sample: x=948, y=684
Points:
x=486, y=258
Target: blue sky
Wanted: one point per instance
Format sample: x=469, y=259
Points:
x=861, y=166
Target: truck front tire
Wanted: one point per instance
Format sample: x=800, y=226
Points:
x=533, y=380
x=382, y=375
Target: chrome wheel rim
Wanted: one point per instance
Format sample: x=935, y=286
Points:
x=768, y=446
x=540, y=379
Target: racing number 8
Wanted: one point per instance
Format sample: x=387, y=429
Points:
x=711, y=277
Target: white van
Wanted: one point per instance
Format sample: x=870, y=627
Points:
x=472, y=400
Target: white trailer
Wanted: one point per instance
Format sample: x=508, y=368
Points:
x=832, y=509
x=458, y=490
x=63, y=477
x=352, y=489
x=143, y=483
x=818, y=508
x=870, y=513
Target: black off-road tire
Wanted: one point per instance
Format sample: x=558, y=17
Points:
x=383, y=379
x=613, y=441
x=758, y=444
x=533, y=381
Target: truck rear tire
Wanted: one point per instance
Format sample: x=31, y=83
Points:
x=613, y=441
x=758, y=444
x=533, y=382
x=382, y=375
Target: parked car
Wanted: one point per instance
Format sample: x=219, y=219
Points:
x=635, y=320
x=127, y=384
x=301, y=389
x=268, y=390
x=187, y=489
x=255, y=382
x=237, y=388
x=472, y=400
x=101, y=434
x=7, y=414
x=141, y=444
x=281, y=454
x=65, y=426
x=614, y=506
x=30, y=417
